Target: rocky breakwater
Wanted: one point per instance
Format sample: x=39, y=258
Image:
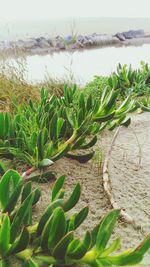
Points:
x=47, y=45
x=123, y=36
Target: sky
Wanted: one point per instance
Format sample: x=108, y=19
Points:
x=46, y=9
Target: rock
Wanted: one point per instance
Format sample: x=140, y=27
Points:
x=140, y=33
x=88, y=41
x=43, y=43
x=60, y=45
x=68, y=39
x=39, y=39
x=133, y=34
x=19, y=44
x=94, y=34
x=87, y=37
x=94, y=39
x=77, y=45
x=80, y=38
x=120, y=36
x=103, y=39
x=84, y=40
x=30, y=43
x=6, y=45
x=50, y=41
x=58, y=37
x=128, y=35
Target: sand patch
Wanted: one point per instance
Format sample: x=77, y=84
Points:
x=129, y=170
x=129, y=173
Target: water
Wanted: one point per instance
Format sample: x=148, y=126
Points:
x=83, y=65
x=79, y=65
x=12, y=30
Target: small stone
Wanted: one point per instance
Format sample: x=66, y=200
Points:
x=60, y=45
x=68, y=39
x=120, y=36
x=43, y=44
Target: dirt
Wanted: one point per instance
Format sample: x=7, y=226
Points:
x=129, y=170
x=89, y=175
x=129, y=173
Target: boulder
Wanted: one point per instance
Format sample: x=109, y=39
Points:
x=120, y=36
x=43, y=43
x=6, y=45
x=58, y=37
x=29, y=43
x=133, y=34
x=77, y=45
x=68, y=39
x=19, y=44
x=94, y=34
x=38, y=39
x=88, y=41
x=80, y=38
x=60, y=45
x=103, y=39
x=140, y=33
x=84, y=40
x=50, y=41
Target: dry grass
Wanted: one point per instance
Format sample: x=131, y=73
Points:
x=15, y=91
x=14, y=87
x=54, y=86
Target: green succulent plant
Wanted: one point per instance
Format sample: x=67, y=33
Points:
x=15, y=215
x=135, y=82
x=144, y=103
x=42, y=133
x=52, y=240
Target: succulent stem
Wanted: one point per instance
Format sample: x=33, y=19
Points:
x=25, y=254
x=72, y=138
x=46, y=259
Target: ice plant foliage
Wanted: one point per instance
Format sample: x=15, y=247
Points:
x=53, y=239
x=135, y=82
x=144, y=104
x=41, y=133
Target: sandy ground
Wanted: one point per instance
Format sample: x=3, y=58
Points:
x=129, y=172
x=89, y=175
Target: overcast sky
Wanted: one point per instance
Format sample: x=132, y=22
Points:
x=40, y=9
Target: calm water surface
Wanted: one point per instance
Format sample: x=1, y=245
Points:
x=83, y=65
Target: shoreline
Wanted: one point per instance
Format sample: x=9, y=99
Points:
x=43, y=46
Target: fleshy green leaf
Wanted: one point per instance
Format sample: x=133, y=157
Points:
x=20, y=215
x=4, y=235
x=5, y=186
x=60, y=250
x=21, y=243
x=74, y=198
x=58, y=186
x=106, y=229
x=48, y=212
